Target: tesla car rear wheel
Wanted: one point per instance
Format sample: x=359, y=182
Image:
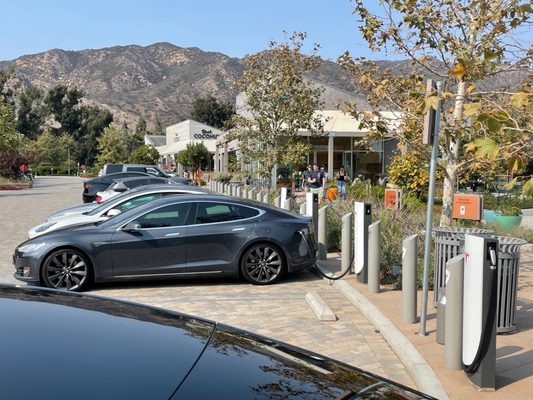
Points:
x=66, y=269
x=263, y=264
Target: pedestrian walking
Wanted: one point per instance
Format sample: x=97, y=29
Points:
x=342, y=178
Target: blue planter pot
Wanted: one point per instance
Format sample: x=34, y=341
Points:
x=489, y=217
x=508, y=221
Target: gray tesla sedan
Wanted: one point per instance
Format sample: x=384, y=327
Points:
x=177, y=236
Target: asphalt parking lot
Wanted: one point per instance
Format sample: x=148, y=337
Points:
x=279, y=311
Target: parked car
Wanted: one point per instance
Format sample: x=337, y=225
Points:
x=92, y=186
x=175, y=236
x=121, y=185
x=110, y=209
x=149, y=169
x=130, y=351
x=126, y=196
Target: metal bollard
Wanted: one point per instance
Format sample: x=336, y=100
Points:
x=322, y=236
x=286, y=204
x=277, y=201
x=244, y=193
x=251, y=194
x=266, y=198
x=259, y=196
x=374, y=258
x=238, y=191
x=346, y=242
x=409, y=292
x=303, y=208
x=453, y=348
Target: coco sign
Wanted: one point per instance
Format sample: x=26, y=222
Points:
x=206, y=134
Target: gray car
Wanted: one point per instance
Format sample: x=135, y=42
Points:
x=176, y=236
x=129, y=195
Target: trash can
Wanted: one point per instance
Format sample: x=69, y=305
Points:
x=508, y=263
x=449, y=242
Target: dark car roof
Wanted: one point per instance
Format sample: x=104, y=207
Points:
x=117, y=175
x=105, y=349
x=109, y=349
x=136, y=178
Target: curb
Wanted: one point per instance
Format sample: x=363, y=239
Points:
x=421, y=372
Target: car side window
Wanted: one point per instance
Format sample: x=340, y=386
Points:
x=136, y=202
x=136, y=169
x=247, y=212
x=209, y=213
x=164, y=217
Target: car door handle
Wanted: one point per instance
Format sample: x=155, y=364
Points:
x=173, y=234
x=238, y=229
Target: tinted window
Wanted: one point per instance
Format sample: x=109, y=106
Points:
x=173, y=215
x=247, y=212
x=136, y=182
x=137, y=169
x=112, y=168
x=137, y=201
x=152, y=171
x=217, y=212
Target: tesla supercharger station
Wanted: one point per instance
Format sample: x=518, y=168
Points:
x=479, y=310
x=311, y=209
x=363, y=218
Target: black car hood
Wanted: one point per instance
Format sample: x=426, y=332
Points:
x=56, y=345
x=240, y=365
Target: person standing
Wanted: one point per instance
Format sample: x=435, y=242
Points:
x=315, y=182
x=306, y=177
x=342, y=178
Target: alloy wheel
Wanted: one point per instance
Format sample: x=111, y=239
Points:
x=263, y=264
x=66, y=269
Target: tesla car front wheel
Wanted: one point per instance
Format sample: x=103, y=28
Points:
x=66, y=269
x=263, y=264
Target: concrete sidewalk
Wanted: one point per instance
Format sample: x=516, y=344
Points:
x=514, y=355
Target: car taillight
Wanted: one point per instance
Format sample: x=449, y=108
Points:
x=98, y=199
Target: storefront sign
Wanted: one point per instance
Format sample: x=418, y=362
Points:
x=206, y=134
x=393, y=199
x=467, y=206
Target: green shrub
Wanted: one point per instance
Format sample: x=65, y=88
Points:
x=222, y=177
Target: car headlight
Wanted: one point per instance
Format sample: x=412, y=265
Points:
x=30, y=247
x=44, y=227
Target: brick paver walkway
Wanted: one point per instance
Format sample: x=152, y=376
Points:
x=278, y=311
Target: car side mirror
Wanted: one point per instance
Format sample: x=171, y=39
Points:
x=132, y=227
x=113, y=212
x=120, y=187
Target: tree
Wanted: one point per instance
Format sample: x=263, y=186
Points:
x=30, y=115
x=93, y=122
x=140, y=128
x=280, y=101
x=112, y=146
x=159, y=130
x=10, y=162
x=211, y=112
x=63, y=104
x=145, y=154
x=9, y=136
x=195, y=156
x=466, y=45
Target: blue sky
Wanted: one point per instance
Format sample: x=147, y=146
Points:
x=233, y=27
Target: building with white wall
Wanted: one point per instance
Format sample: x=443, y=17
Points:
x=178, y=136
x=339, y=145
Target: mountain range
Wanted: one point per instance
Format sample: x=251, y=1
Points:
x=160, y=81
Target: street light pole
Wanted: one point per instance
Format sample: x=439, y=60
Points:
x=68, y=160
